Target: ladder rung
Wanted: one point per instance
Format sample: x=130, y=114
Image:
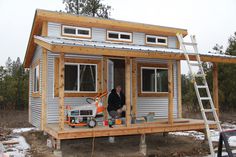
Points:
x=205, y=98
x=195, y=64
x=208, y=110
x=201, y=86
x=199, y=75
x=211, y=122
x=189, y=43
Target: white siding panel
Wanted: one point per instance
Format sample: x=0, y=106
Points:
x=139, y=38
x=172, y=42
x=54, y=29
x=35, y=103
x=158, y=105
x=98, y=34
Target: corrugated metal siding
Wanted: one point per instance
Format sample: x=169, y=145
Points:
x=139, y=38
x=158, y=105
x=35, y=103
x=172, y=42
x=98, y=34
x=53, y=102
x=54, y=29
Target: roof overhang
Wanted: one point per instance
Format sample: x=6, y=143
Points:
x=70, y=19
x=72, y=48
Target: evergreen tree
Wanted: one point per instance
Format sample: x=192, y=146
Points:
x=93, y=8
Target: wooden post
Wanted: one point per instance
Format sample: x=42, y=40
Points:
x=134, y=88
x=61, y=91
x=44, y=90
x=104, y=84
x=215, y=87
x=127, y=89
x=44, y=79
x=179, y=89
x=170, y=95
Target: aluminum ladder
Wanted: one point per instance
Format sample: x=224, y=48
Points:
x=195, y=61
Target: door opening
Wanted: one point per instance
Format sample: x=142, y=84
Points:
x=116, y=74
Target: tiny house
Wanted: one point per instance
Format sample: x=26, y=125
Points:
x=72, y=57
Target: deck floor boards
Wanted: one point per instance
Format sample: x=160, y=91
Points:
x=161, y=125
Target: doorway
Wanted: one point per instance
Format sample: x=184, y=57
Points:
x=116, y=74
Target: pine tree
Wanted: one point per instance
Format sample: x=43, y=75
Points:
x=93, y=8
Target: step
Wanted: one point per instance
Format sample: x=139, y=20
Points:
x=208, y=110
x=195, y=64
x=189, y=43
x=201, y=86
x=212, y=122
x=200, y=75
x=205, y=98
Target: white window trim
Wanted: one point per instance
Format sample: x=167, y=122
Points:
x=155, y=70
x=76, y=31
x=78, y=73
x=157, y=37
x=119, y=35
x=35, y=79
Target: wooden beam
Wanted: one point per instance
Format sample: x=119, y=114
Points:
x=134, y=87
x=44, y=89
x=104, y=84
x=179, y=89
x=215, y=88
x=170, y=90
x=44, y=79
x=128, y=53
x=44, y=32
x=61, y=90
x=127, y=89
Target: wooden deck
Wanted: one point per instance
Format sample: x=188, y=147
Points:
x=152, y=127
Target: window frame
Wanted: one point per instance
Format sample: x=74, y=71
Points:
x=155, y=66
x=156, y=37
x=76, y=35
x=119, y=36
x=78, y=78
x=34, y=92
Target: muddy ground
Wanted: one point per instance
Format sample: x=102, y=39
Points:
x=126, y=146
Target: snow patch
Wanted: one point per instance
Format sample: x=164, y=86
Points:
x=21, y=130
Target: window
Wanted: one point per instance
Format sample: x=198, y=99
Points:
x=119, y=36
x=81, y=77
x=156, y=40
x=154, y=80
x=36, y=79
x=76, y=31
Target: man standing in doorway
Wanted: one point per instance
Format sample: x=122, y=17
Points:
x=116, y=103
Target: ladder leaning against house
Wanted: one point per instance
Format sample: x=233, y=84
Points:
x=202, y=84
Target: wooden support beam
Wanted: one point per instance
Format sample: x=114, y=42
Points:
x=61, y=90
x=44, y=89
x=171, y=90
x=104, y=85
x=134, y=88
x=215, y=87
x=127, y=89
x=179, y=89
x=44, y=79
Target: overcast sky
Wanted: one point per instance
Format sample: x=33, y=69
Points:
x=212, y=21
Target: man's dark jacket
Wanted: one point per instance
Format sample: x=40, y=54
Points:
x=115, y=101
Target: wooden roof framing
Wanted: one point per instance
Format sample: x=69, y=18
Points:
x=85, y=21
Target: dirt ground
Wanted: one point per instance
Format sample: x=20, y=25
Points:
x=125, y=146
